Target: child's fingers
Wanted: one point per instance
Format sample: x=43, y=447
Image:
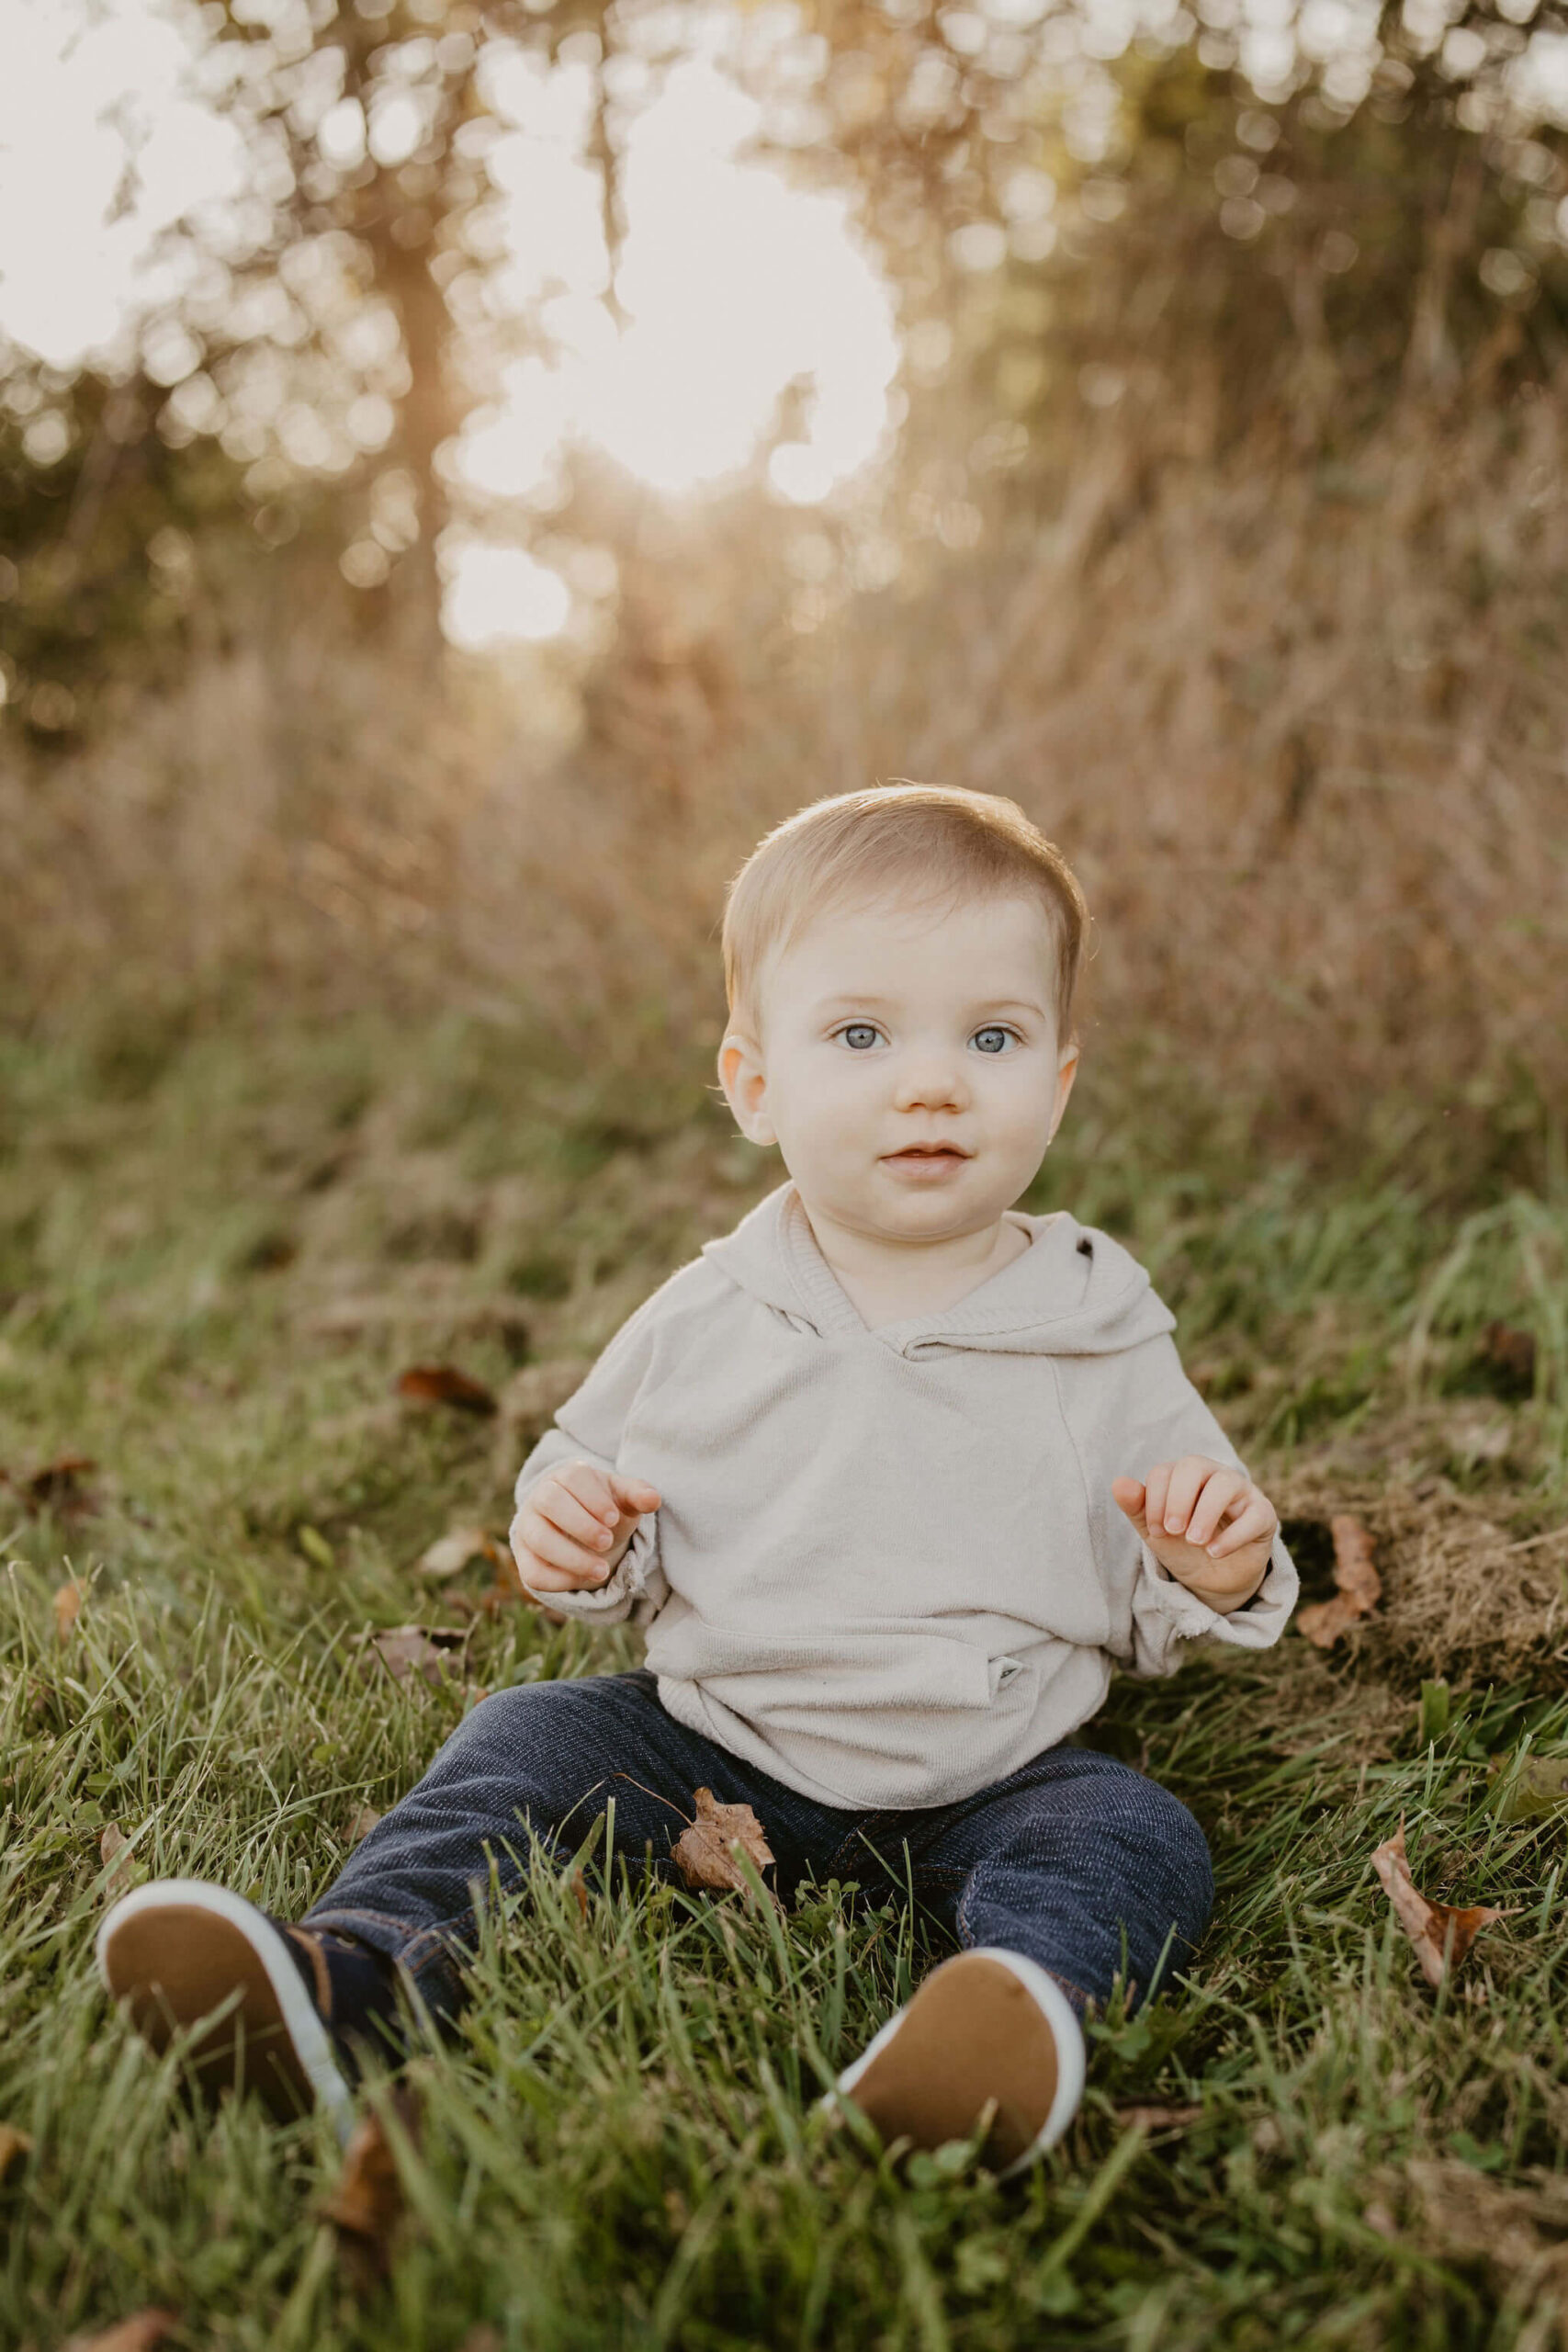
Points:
x=1156, y=1482
x=533, y=1539
x=587, y=1485
x=634, y=1495
x=1127, y=1494
x=1187, y=1479
x=1257, y=1520
x=538, y=1576
x=1222, y=1489
x=557, y=1507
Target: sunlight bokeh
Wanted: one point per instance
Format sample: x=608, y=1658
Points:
x=733, y=286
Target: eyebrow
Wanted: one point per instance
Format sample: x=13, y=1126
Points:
x=883, y=1003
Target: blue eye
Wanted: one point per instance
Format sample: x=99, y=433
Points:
x=993, y=1029
x=869, y=1029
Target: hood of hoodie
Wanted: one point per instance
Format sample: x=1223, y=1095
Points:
x=1073, y=1292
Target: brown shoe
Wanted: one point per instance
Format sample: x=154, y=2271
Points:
x=988, y=2025
x=180, y=1949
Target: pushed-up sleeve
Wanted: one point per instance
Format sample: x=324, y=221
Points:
x=589, y=1428
x=1168, y=1418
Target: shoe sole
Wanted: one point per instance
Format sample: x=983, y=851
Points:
x=983, y=2026
x=179, y=1948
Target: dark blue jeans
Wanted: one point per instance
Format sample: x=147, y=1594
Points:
x=1062, y=1860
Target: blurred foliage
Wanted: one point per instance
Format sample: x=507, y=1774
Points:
x=1211, y=226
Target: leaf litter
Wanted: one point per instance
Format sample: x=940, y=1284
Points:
x=138, y=2333
x=704, y=1852
x=57, y=1486
x=431, y=1651
x=367, y=2206
x=443, y=1383
x=1358, y=1586
x=1441, y=1932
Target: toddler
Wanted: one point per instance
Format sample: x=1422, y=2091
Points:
x=891, y=1475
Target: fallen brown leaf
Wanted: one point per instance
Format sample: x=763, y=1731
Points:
x=451, y=1553
x=137, y=2333
x=703, y=1849
x=1441, y=1933
x=57, y=1486
x=1539, y=1790
x=1159, y=2119
x=443, y=1383
x=368, y=2205
x=405, y=1650
x=1510, y=1353
x=113, y=1846
x=67, y=1607
x=14, y=2146
x=1355, y=1575
x=579, y=1889
x=360, y=1822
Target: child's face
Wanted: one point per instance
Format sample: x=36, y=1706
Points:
x=884, y=1028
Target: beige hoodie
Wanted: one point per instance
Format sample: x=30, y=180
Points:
x=887, y=1566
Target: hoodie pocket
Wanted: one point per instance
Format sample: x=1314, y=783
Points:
x=866, y=1667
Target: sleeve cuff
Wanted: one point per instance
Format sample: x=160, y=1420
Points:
x=1166, y=1613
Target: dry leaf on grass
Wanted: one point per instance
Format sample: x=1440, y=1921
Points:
x=1159, y=2119
x=57, y=1486
x=1539, y=1789
x=1441, y=1932
x=67, y=1606
x=1512, y=1354
x=1356, y=1579
x=137, y=2333
x=360, y=1822
x=367, y=2204
x=451, y=1553
x=14, y=2146
x=114, y=1848
x=443, y=1383
x=703, y=1849
x=406, y=1650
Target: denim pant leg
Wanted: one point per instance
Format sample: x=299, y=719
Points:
x=553, y=1753
x=1062, y=1859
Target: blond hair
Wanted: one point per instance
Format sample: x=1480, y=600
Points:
x=920, y=843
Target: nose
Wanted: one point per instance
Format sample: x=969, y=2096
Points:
x=930, y=1079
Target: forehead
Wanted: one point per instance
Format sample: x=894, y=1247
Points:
x=979, y=949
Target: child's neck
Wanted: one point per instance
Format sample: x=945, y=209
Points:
x=888, y=1284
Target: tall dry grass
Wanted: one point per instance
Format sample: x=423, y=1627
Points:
x=1302, y=728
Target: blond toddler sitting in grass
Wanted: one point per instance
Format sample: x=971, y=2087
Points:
x=892, y=1476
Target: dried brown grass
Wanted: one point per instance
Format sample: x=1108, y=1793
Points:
x=1300, y=728
x=1463, y=1598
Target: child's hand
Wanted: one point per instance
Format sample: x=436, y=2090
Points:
x=1178, y=1509
x=574, y=1525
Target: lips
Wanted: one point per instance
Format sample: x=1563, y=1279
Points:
x=928, y=1151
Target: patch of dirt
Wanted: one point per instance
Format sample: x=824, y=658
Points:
x=1462, y=1595
x=1519, y=2229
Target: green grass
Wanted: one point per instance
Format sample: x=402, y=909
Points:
x=621, y=2150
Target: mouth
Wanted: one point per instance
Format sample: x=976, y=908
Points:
x=948, y=1152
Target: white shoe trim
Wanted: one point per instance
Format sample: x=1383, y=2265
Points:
x=308, y=2036
x=1072, y=2059
x=1060, y=2016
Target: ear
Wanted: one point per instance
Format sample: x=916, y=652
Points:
x=1067, y=1069
x=744, y=1083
